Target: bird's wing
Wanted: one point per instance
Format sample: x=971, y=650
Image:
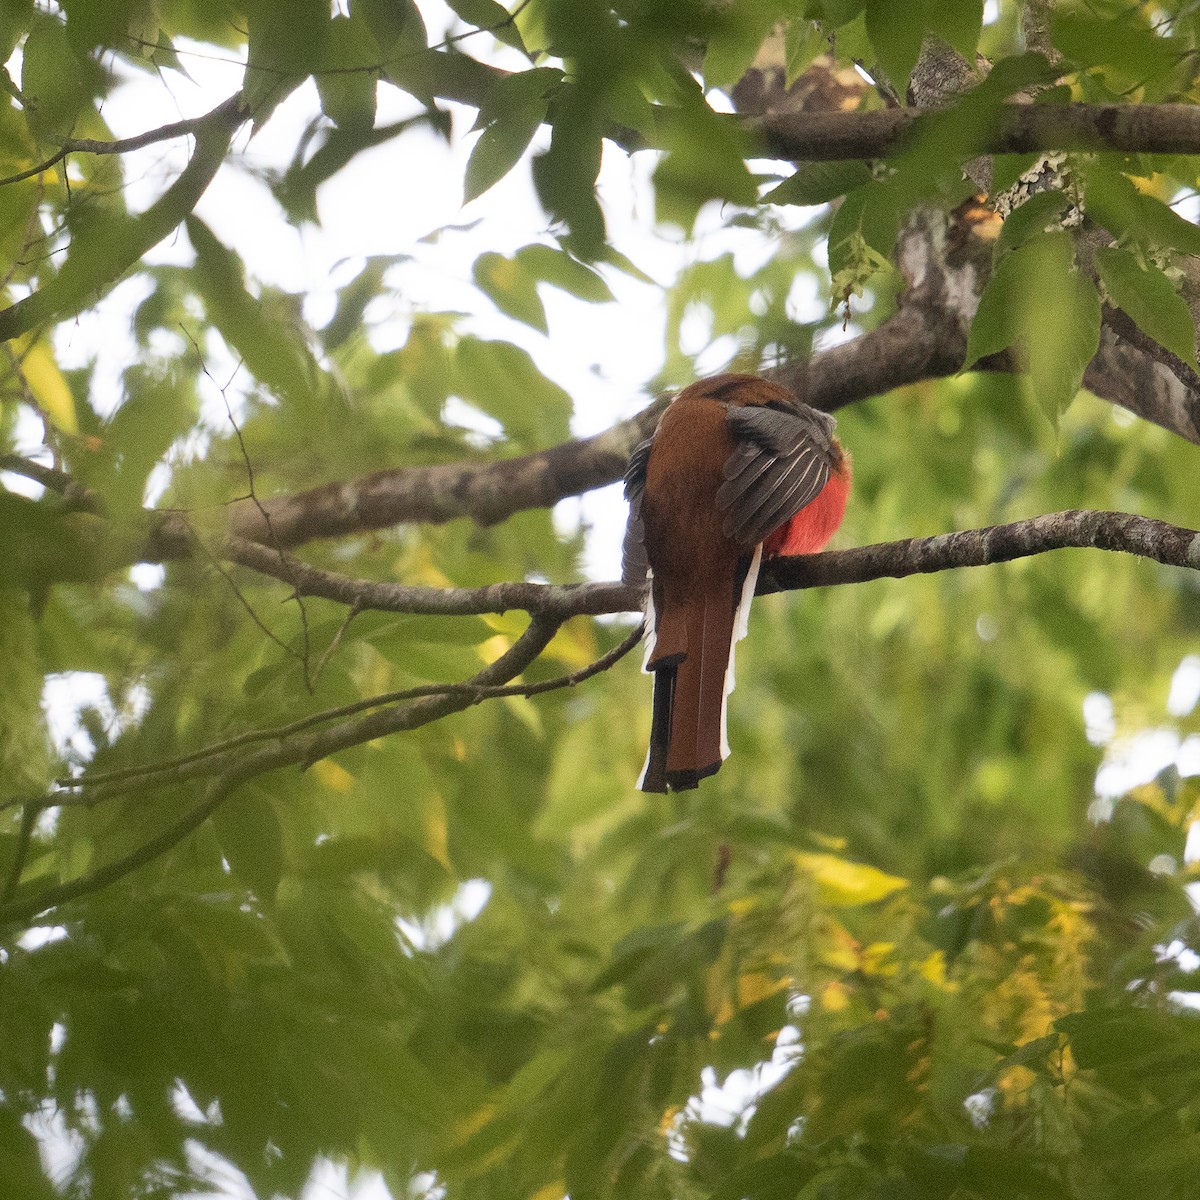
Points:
x=780, y=462
x=634, y=564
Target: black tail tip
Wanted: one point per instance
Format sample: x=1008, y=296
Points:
x=659, y=780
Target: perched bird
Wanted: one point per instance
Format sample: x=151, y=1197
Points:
x=738, y=468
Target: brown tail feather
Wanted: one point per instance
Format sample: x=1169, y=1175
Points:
x=719, y=612
x=689, y=662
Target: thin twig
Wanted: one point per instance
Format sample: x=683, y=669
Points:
x=355, y=609
x=305, y=655
x=219, y=567
x=124, y=145
x=91, y=789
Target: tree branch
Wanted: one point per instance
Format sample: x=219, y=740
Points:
x=1112, y=531
x=1010, y=129
x=93, y=788
x=99, y=258
x=305, y=750
x=486, y=492
x=164, y=133
x=1147, y=537
x=558, y=601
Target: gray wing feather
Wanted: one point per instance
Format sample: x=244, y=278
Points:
x=780, y=463
x=634, y=564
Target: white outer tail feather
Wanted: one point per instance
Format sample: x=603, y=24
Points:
x=650, y=639
x=741, y=625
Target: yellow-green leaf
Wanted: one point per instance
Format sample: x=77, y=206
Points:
x=846, y=884
x=48, y=386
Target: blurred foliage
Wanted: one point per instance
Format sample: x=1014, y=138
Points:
x=927, y=959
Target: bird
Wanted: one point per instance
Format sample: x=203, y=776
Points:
x=738, y=468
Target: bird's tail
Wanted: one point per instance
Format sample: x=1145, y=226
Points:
x=691, y=657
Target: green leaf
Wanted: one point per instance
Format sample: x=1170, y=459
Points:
x=1015, y=74
x=55, y=80
x=498, y=150
x=20, y=1161
x=510, y=118
x=1123, y=42
x=501, y=380
x=1039, y=214
x=835, y=13
x=895, y=31
x=491, y=16
x=14, y=20
x=272, y=352
x=863, y=233
x=346, y=81
x=396, y=25
x=803, y=41
x=819, y=183
x=525, y=89
x=734, y=41
x=511, y=287
x=352, y=302
x=284, y=45
x=957, y=22
x=155, y=415
x=1149, y=297
x=559, y=269
x=609, y=254
x=1127, y=213
x=565, y=175
x=251, y=837
x=706, y=160
x=1037, y=299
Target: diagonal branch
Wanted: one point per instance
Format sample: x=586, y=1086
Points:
x=93, y=788
x=921, y=341
x=139, y=141
x=487, y=492
x=99, y=258
x=304, y=749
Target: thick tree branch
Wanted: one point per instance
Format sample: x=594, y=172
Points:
x=1075, y=529
x=486, y=492
x=1143, y=536
x=1127, y=374
x=1010, y=129
x=927, y=337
